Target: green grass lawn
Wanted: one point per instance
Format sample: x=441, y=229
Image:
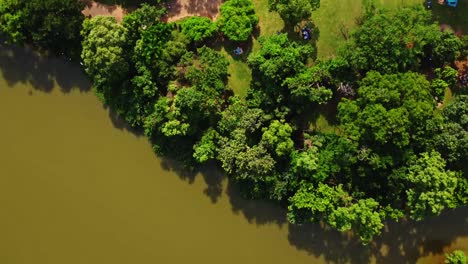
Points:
x=240, y=73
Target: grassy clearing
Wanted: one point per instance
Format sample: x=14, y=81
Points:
x=240, y=73
x=269, y=22
x=332, y=18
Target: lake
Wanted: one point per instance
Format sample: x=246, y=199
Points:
x=78, y=186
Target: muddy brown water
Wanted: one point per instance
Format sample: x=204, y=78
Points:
x=76, y=186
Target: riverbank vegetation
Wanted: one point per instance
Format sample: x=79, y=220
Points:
x=396, y=150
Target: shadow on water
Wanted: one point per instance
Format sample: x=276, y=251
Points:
x=211, y=173
x=26, y=66
x=119, y=123
x=402, y=242
x=23, y=65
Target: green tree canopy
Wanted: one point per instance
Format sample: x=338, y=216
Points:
x=103, y=54
x=337, y=208
x=390, y=109
x=278, y=138
x=278, y=59
x=139, y=20
x=238, y=19
x=199, y=28
x=398, y=41
x=430, y=187
x=452, y=140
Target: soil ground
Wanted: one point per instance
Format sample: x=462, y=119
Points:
x=97, y=9
x=176, y=9
x=179, y=9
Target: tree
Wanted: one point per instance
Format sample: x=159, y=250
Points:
x=199, y=28
x=149, y=49
x=294, y=11
x=452, y=139
x=206, y=148
x=389, y=109
x=446, y=48
x=191, y=107
x=238, y=19
x=456, y=257
x=12, y=22
x=430, y=187
x=311, y=204
x=206, y=70
x=278, y=59
x=51, y=25
x=138, y=21
x=325, y=156
x=103, y=55
x=278, y=138
x=305, y=162
x=362, y=217
x=398, y=41
x=309, y=86
x=336, y=207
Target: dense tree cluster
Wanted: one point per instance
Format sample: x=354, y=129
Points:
x=52, y=25
x=393, y=153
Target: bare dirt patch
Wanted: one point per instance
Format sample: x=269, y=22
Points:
x=179, y=9
x=93, y=9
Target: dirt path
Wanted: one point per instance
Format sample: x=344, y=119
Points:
x=97, y=9
x=178, y=9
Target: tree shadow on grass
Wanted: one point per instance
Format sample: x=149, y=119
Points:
x=24, y=65
x=230, y=46
x=295, y=34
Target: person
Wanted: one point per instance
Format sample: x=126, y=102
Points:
x=429, y=4
x=238, y=51
x=305, y=33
